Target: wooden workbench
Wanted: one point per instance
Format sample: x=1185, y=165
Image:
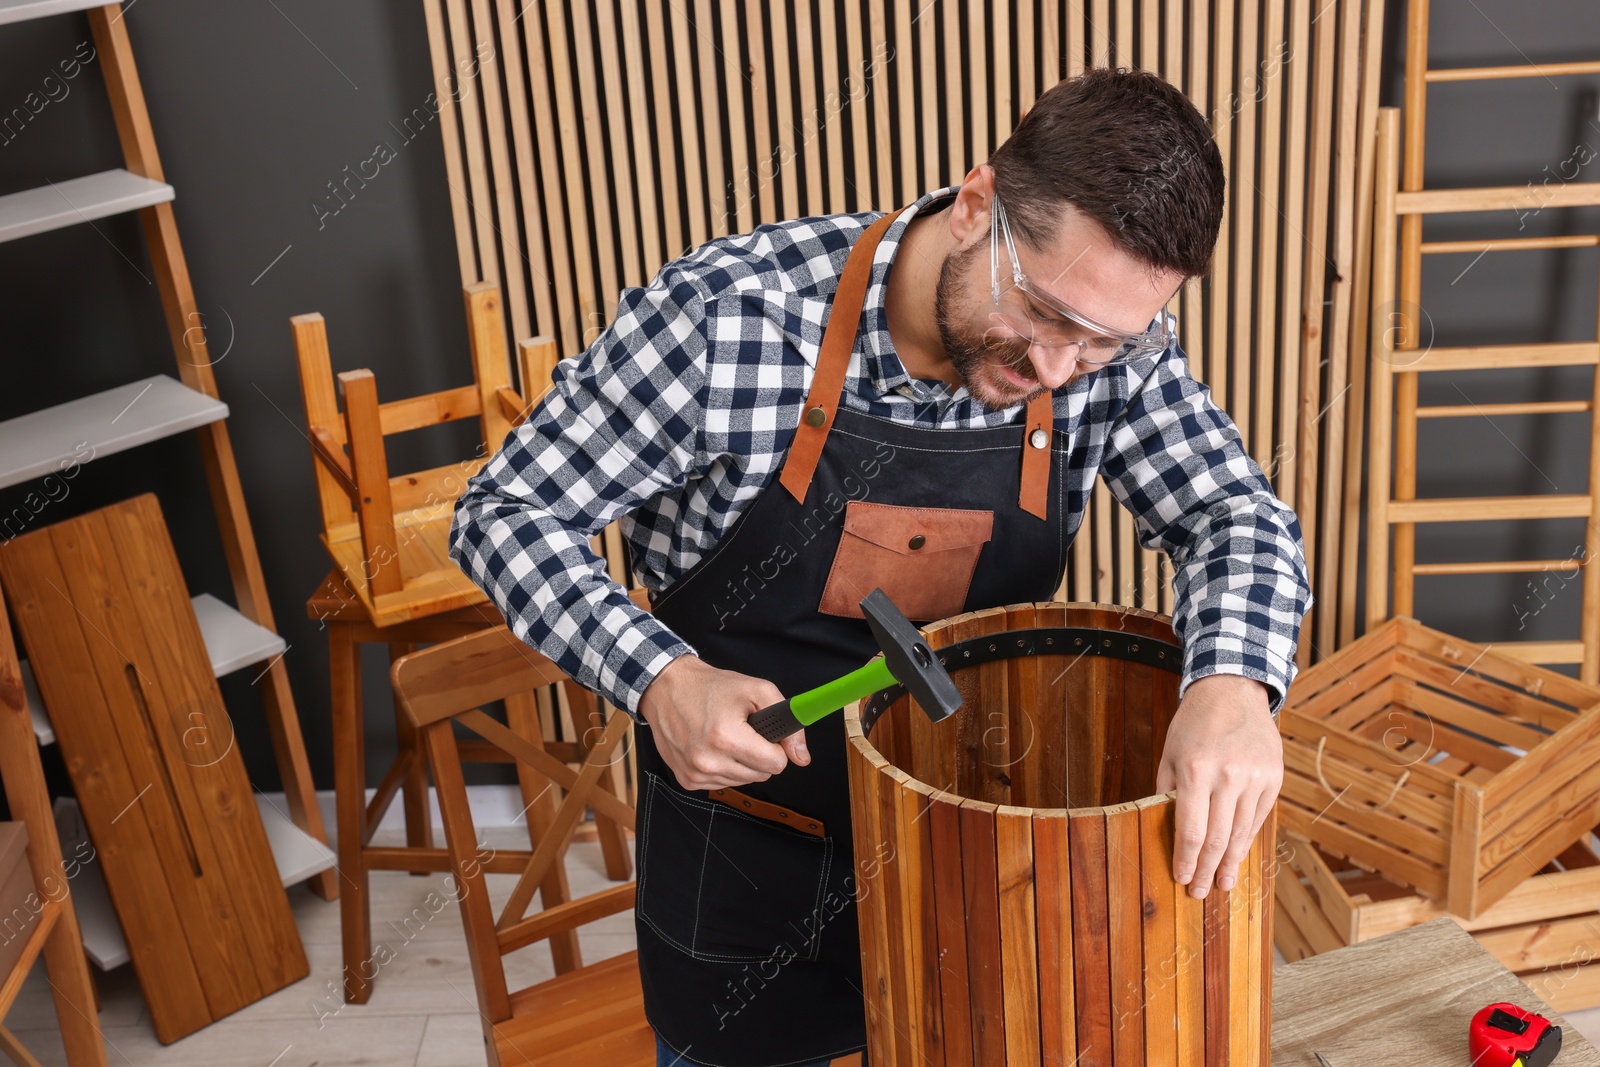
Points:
x=1404, y=998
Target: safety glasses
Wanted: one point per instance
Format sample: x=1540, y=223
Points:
x=1042, y=319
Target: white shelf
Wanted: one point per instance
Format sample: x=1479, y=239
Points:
x=44, y=441
x=60, y=204
x=22, y=10
x=232, y=641
x=298, y=857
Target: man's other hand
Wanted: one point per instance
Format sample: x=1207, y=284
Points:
x=1225, y=758
x=699, y=717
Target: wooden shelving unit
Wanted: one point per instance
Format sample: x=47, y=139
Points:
x=155, y=407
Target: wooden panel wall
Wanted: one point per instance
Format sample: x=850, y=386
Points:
x=588, y=144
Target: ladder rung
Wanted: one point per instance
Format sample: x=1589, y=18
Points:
x=1512, y=244
x=1528, y=197
x=1477, y=508
x=1507, y=566
x=1543, y=651
x=1494, y=357
x=1532, y=407
x=23, y=10
x=1523, y=70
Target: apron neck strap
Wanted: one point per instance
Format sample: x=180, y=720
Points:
x=838, y=341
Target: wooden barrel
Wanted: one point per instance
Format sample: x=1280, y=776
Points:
x=1014, y=874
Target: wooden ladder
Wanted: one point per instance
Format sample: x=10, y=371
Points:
x=38, y=443
x=1398, y=359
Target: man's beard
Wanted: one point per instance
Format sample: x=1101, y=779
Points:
x=977, y=360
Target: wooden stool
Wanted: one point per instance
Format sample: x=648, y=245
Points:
x=349, y=627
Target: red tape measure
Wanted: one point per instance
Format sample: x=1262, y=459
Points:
x=1504, y=1035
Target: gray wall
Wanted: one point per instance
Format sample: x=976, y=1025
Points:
x=258, y=106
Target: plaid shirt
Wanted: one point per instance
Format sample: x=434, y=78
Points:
x=681, y=411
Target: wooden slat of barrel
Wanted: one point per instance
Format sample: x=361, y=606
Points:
x=1053, y=887
x=1160, y=932
x=1191, y=929
x=1243, y=919
x=877, y=986
x=1019, y=948
x=1110, y=693
x=1215, y=966
x=895, y=909
x=1267, y=865
x=1138, y=730
x=1025, y=763
x=1091, y=959
x=980, y=882
x=993, y=714
x=1051, y=740
x=923, y=934
x=944, y=826
x=1124, y=902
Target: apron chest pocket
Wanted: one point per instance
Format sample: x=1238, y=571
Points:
x=725, y=887
x=923, y=558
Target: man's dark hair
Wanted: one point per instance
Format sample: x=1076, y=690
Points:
x=1128, y=150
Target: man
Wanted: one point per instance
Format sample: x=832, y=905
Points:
x=782, y=420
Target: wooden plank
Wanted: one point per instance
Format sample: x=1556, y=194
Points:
x=1220, y=1039
x=922, y=931
x=1091, y=957
x=944, y=825
x=889, y=1040
x=1053, y=886
x=980, y=884
x=1158, y=893
x=1019, y=947
x=1190, y=976
x=1125, y=934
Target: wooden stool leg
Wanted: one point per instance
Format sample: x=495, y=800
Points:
x=350, y=794
x=539, y=794
x=419, y=814
x=613, y=837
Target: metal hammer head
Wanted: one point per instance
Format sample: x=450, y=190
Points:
x=909, y=658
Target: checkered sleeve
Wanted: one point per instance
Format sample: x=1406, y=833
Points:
x=620, y=423
x=1175, y=460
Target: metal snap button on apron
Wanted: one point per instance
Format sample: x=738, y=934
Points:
x=1039, y=438
x=816, y=417
x=917, y=542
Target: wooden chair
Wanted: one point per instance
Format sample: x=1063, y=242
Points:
x=387, y=533
x=588, y=1016
x=394, y=584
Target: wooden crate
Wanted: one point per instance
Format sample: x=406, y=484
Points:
x=1442, y=764
x=1014, y=876
x=1546, y=930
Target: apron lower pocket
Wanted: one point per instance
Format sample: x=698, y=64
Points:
x=724, y=887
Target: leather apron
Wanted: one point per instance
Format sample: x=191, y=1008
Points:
x=749, y=948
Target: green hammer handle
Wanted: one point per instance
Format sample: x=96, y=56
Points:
x=789, y=716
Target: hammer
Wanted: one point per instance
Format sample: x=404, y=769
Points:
x=906, y=659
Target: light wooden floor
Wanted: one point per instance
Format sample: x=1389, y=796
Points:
x=422, y=1012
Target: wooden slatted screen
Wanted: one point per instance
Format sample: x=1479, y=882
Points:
x=588, y=144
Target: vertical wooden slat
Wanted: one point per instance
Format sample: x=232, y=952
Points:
x=1125, y=907
x=595, y=148
x=1269, y=81
x=1223, y=100
x=980, y=883
x=697, y=129
x=650, y=180
x=873, y=843
x=565, y=323
x=1150, y=35
x=1217, y=978
x=944, y=827
x=1242, y=183
x=916, y=861
x=906, y=115
x=762, y=170
x=957, y=156
x=1000, y=92
x=1382, y=344
x=859, y=177
x=787, y=168
x=1157, y=892
x=1297, y=247
x=713, y=102
x=736, y=82
x=1266, y=866
x=450, y=134
x=812, y=120
x=1091, y=957
x=1019, y=947
x=1053, y=886
x=875, y=70
x=587, y=314
x=536, y=243
x=669, y=149
x=1125, y=30
x=1053, y=18
x=1027, y=74
x=979, y=87
x=479, y=196
x=502, y=196
x=930, y=103
x=1243, y=969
